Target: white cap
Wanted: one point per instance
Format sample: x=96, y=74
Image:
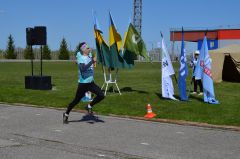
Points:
x=197, y=52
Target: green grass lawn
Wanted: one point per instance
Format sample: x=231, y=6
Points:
x=139, y=86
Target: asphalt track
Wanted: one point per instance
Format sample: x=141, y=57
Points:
x=38, y=133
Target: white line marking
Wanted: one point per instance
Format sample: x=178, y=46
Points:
x=100, y=155
x=179, y=132
x=58, y=130
x=144, y=143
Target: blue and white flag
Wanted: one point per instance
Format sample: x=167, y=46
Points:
x=167, y=71
x=183, y=72
x=203, y=71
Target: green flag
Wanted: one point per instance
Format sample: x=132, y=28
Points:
x=115, y=42
x=103, y=55
x=134, y=45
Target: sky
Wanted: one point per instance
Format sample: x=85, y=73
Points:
x=72, y=19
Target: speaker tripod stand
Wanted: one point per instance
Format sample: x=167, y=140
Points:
x=37, y=36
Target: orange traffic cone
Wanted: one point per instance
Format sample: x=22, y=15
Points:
x=149, y=114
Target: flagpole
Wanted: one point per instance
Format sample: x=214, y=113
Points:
x=103, y=68
x=95, y=23
x=190, y=87
x=176, y=78
x=206, y=38
x=205, y=35
x=116, y=81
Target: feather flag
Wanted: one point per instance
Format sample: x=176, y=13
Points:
x=167, y=71
x=183, y=72
x=203, y=72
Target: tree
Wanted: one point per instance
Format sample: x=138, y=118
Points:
x=1, y=54
x=46, y=53
x=10, y=51
x=63, y=51
x=28, y=53
x=77, y=48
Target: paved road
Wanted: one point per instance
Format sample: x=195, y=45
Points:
x=37, y=133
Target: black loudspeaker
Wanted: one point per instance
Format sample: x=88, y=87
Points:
x=30, y=36
x=36, y=35
x=40, y=35
x=38, y=82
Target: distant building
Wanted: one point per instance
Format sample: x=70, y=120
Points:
x=217, y=38
x=155, y=54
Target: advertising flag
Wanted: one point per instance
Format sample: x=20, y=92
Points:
x=183, y=72
x=167, y=71
x=203, y=72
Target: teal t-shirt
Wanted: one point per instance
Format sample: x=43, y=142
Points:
x=88, y=74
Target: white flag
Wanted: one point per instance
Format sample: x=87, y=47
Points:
x=167, y=68
x=167, y=71
x=167, y=88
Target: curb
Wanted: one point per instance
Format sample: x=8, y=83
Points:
x=169, y=121
x=182, y=122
